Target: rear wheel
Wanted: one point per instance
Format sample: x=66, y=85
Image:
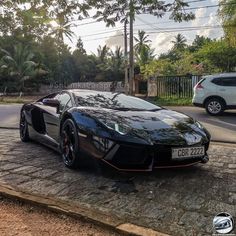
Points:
x=214, y=106
x=24, y=132
x=70, y=144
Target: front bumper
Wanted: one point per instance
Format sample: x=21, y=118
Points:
x=146, y=158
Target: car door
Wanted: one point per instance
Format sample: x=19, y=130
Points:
x=227, y=90
x=52, y=119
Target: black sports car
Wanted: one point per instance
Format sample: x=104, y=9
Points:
x=125, y=132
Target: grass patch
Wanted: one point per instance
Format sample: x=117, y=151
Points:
x=173, y=101
x=20, y=100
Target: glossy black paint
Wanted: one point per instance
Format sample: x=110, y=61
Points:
x=143, y=141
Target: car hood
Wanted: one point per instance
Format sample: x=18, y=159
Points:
x=161, y=126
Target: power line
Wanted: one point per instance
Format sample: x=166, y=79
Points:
x=209, y=6
x=168, y=30
x=102, y=37
x=146, y=23
x=190, y=8
x=184, y=29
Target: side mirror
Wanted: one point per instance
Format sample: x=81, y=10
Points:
x=51, y=102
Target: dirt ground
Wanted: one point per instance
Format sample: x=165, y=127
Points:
x=17, y=218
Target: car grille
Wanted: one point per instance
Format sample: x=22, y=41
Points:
x=141, y=157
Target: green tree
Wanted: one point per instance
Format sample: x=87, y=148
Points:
x=103, y=53
x=111, y=11
x=198, y=42
x=20, y=64
x=145, y=55
x=179, y=42
x=219, y=54
x=62, y=29
x=32, y=19
x=142, y=41
x=227, y=12
x=80, y=46
x=158, y=67
x=142, y=48
x=115, y=65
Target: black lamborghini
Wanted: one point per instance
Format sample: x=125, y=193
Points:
x=122, y=131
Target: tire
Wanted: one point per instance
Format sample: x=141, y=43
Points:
x=69, y=140
x=215, y=106
x=24, y=131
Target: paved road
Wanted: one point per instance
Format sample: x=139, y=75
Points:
x=9, y=115
x=179, y=202
x=222, y=128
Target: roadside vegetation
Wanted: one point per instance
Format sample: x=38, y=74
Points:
x=173, y=101
x=41, y=56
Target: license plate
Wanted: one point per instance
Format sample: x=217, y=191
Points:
x=188, y=152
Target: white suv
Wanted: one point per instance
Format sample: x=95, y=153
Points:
x=216, y=93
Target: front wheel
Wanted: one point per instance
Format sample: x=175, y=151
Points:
x=214, y=107
x=70, y=144
x=24, y=131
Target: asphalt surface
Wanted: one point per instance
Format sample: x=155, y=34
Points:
x=222, y=128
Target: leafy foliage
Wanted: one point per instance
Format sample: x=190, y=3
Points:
x=203, y=56
x=111, y=11
x=227, y=12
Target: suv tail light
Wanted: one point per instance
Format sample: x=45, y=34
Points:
x=199, y=86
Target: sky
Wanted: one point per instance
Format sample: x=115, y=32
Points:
x=161, y=31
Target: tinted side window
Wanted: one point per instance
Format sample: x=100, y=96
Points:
x=225, y=81
x=217, y=81
x=64, y=100
x=230, y=81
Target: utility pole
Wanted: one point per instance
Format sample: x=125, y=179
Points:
x=126, y=59
x=131, y=52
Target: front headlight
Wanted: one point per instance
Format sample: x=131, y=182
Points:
x=199, y=125
x=119, y=128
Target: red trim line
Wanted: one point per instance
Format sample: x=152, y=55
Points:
x=178, y=166
x=149, y=170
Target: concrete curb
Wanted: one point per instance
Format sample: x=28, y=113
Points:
x=85, y=213
x=14, y=128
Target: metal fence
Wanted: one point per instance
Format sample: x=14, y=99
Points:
x=176, y=86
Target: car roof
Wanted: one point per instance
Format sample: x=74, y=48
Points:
x=77, y=92
x=221, y=75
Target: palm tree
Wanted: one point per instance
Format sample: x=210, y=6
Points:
x=20, y=64
x=115, y=65
x=117, y=60
x=141, y=41
x=103, y=53
x=61, y=29
x=145, y=56
x=179, y=42
x=143, y=51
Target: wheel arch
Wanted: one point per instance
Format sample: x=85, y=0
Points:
x=66, y=116
x=214, y=96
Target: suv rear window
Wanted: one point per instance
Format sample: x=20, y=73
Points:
x=201, y=81
x=225, y=81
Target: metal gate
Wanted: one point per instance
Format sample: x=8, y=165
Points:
x=176, y=86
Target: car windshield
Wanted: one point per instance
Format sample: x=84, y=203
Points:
x=117, y=101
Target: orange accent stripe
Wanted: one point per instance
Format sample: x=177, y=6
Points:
x=149, y=170
x=178, y=166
